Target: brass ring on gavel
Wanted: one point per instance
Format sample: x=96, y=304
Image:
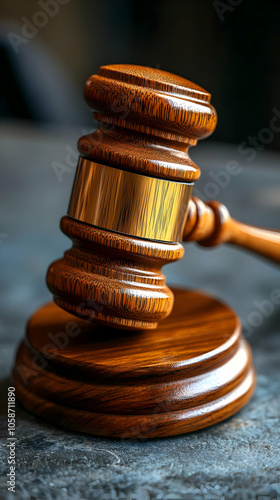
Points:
x=129, y=203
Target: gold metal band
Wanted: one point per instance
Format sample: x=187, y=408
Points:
x=129, y=203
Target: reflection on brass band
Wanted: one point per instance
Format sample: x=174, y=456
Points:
x=129, y=203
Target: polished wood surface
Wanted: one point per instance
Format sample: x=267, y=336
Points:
x=111, y=359
x=131, y=190
x=210, y=224
x=147, y=119
x=193, y=371
x=113, y=278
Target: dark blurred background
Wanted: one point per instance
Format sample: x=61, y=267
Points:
x=229, y=47
x=48, y=49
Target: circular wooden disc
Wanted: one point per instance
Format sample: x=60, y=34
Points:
x=193, y=371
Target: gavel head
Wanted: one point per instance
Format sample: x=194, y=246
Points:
x=130, y=196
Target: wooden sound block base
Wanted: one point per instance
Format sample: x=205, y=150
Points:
x=193, y=371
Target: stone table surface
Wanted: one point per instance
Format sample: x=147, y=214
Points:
x=238, y=458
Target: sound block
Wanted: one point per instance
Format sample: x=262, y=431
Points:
x=191, y=372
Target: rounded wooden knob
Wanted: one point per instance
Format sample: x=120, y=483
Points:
x=137, y=97
x=147, y=120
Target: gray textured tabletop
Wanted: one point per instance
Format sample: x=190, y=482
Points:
x=238, y=458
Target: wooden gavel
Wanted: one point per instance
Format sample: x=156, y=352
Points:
x=130, y=209
x=131, y=202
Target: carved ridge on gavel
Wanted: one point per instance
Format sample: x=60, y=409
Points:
x=133, y=190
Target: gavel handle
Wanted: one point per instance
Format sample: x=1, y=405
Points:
x=210, y=224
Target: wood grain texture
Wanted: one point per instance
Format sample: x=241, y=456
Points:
x=194, y=370
x=147, y=119
x=210, y=224
x=113, y=278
